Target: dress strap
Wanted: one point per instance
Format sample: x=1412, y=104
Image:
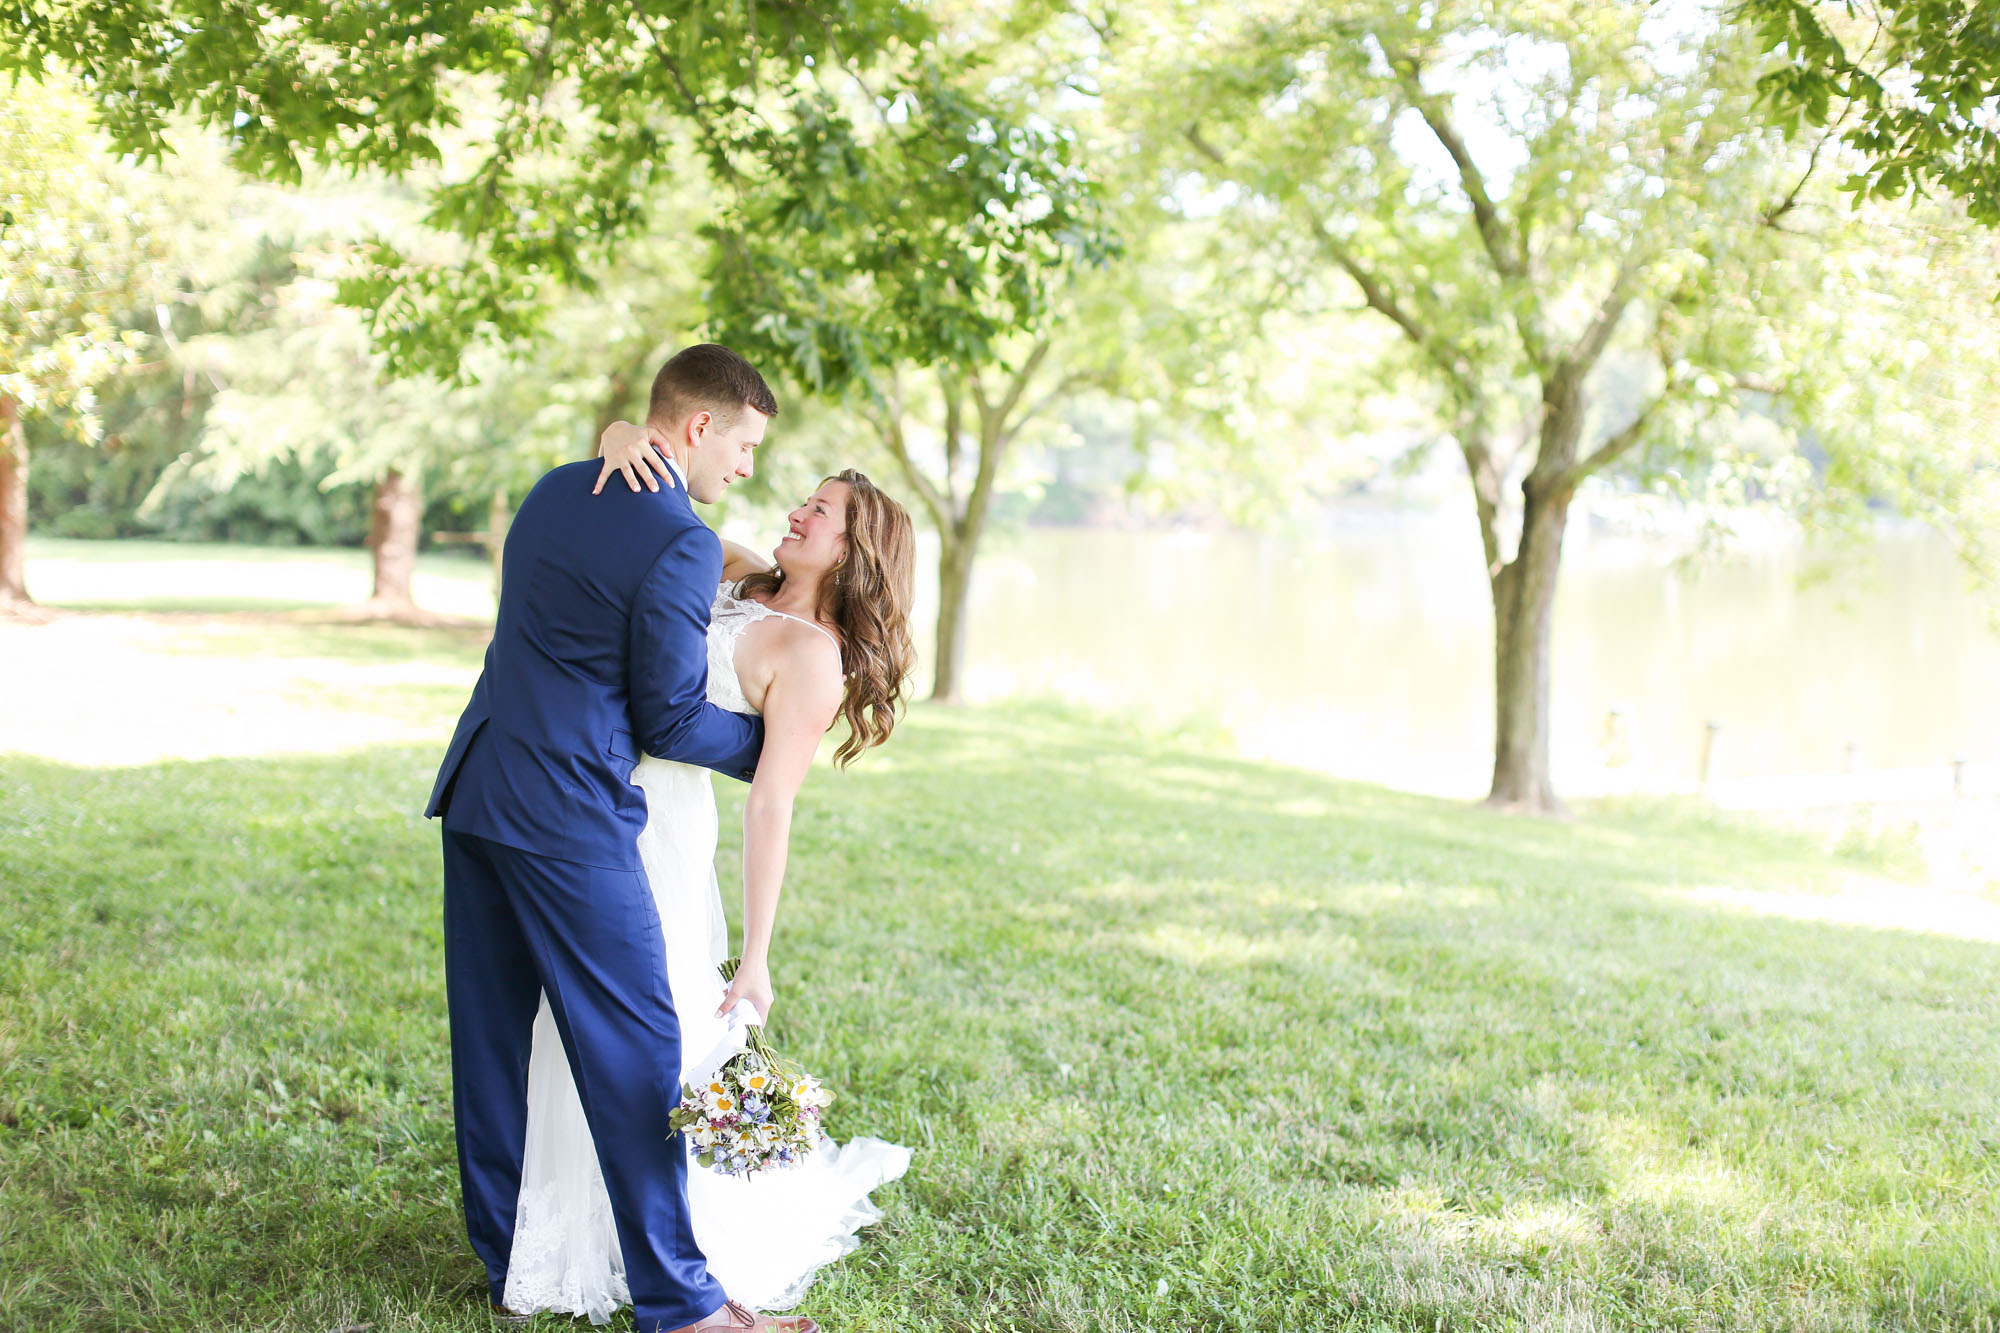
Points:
x=725, y=592
x=803, y=621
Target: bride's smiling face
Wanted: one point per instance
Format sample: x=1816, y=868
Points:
x=816, y=533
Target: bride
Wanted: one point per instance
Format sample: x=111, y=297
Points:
x=818, y=631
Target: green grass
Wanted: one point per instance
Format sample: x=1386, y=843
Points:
x=1181, y=1042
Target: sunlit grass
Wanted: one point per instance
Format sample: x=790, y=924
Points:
x=1182, y=1043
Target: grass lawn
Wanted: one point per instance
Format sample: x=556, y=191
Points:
x=1181, y=1042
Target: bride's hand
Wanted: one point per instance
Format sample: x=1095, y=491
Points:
x=634, y=451
x=752, y=984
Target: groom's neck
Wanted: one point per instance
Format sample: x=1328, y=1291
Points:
x=680, y=455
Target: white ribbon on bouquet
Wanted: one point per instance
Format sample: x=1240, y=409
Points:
x=742, y=1016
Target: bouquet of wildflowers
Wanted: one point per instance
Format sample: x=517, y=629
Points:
x=757, y=1112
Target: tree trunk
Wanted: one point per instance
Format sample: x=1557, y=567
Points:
x=954, y=585
x=617, y=398
x=499, y=518
x=1524, y=597
x=392, y=534
x=13, y=508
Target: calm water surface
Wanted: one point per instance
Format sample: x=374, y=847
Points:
x=1368, y=653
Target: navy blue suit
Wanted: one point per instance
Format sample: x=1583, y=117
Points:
x=599, y=654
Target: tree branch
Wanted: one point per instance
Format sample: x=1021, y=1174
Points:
x=1208, y=150
x=954, y=427
x=1485, y=491
x=1056, y=391
x=1508, y=256
x=1592, y=344
x=1447, y=358
x=697, y=109
x=1379, y=298
x=1613, y=447
x=1777, y=211
x=1373, y=290
x=890, y=427
x=1017, y=384
x=533, y=82
x=994, y=436
x=1506, y=247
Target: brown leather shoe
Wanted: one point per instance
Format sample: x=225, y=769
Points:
x=737, y=1318
x=506, y=1318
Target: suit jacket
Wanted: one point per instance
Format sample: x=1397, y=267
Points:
x=599, y=655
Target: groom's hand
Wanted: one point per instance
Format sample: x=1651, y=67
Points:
x=752, y=983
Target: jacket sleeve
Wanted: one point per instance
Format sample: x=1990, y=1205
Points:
x=671, y=715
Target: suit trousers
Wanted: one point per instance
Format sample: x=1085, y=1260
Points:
x=515, y=925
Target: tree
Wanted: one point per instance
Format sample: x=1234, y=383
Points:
x=297, y=377
x=939, y=216
x=922, y=270
x=1912, y=86
x=1549, y=206
x=540, y=139
x=952, y=429
x=76, y=255
x=953, y=472
x=304, y=383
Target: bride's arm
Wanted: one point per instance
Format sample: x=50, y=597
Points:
x=739, y=561
x=634, y=451
x=799, y=705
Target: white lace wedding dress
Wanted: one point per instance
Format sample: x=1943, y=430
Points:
x=766, y=1236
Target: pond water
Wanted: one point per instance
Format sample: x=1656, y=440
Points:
x=1367, y=653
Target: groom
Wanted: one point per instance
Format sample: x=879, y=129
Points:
x=599, y=654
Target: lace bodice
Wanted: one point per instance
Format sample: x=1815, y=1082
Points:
x=728, y=618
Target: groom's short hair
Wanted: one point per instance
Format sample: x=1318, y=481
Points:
x=708, y=377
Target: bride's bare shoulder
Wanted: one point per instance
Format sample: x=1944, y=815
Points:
x=804, y=653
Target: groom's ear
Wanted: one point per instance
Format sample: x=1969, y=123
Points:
x=688, y=430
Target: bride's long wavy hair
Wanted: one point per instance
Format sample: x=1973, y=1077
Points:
x=866, y=597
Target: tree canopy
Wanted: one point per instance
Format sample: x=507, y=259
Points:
x=78, y=251
x=1587, y=253
x=544, y=142
x=1911, y=85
